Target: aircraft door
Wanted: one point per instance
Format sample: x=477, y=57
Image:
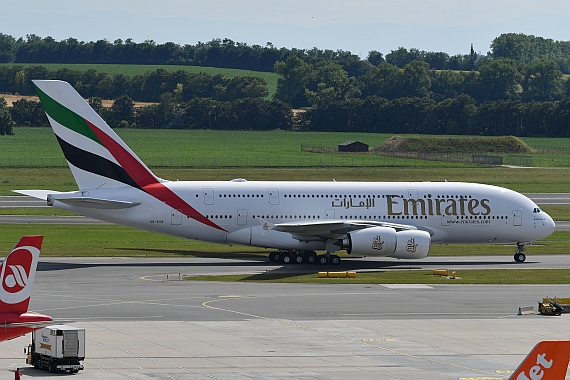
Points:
x=445, y=220
x=413, y=194
x=329, y=214
x=175, y=217
x=242, y=217
x=517, y=217
x=273, y=196
x=208, y=196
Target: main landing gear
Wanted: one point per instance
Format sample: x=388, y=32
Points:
x=300, y=257
x=519, y=255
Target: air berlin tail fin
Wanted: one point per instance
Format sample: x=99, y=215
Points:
x=97, y=156
x=547, y=360
x=17, y=273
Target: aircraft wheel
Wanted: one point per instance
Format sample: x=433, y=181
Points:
x=322, y=259
x=520, y=257
x=51, y=367
x=286, y=258
x=310, y=257
x=273, y=256
x=299, y=258
x=334, y=260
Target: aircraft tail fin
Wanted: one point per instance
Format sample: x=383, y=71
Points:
x=96, y=155
x=547, y=360
x=18, y=272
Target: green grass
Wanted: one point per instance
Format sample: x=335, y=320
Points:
x=37, y=147
x=548, y=144
x=132, y=70
x=491, y=276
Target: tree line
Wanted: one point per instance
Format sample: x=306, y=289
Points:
x=459, y=116
x=399, y=93
x=148, y=87
x=230, y=54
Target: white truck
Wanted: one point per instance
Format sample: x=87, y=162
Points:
x=57, y=348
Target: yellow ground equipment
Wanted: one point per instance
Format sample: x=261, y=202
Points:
x=337, y=275
x=549, y=306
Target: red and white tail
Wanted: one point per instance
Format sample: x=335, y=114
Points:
x=17, y=273
x=548, y=360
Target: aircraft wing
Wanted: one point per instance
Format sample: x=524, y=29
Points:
x=331, y=229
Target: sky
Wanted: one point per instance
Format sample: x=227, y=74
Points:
x=358, y=26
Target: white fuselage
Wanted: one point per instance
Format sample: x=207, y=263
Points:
x=451, y=212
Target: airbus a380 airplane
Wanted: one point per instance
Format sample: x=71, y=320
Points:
x=393, y=219
x=18, y=271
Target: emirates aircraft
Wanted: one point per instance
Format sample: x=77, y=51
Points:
x=392, y=219
x=17, y=273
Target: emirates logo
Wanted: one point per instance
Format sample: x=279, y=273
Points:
x=377, y=243
x=412, y=246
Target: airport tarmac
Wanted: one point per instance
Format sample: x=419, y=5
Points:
x=143, y=322
x=141, y=325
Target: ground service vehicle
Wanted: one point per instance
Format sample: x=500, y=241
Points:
x=57, y=348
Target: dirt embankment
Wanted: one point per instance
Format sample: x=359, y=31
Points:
x=469, y=145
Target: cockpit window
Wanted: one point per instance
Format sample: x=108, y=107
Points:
x=536, y=210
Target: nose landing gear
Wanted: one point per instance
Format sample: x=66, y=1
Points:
x=519, y=255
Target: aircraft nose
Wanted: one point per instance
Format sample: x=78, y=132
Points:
x=547, y=225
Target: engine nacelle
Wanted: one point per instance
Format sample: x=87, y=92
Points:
x=412, y=244
x=385, y=241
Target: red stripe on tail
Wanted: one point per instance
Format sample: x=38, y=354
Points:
x=146, y=180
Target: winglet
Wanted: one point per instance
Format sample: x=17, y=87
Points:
x=17, y=273
x=547, y=360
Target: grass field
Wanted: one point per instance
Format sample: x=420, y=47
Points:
x=37, y=147
x=132, y=70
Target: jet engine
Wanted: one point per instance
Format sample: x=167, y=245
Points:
x=385, y=241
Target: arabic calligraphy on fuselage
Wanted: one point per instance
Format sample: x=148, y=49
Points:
x=398, y=205
x=352, y=203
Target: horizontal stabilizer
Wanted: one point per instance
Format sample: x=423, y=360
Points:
x=88, y=202
x=40, y=194
x=32, y=325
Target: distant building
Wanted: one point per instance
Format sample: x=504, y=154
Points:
x=353, y=146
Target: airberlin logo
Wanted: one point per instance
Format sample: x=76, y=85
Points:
x=17, y=280
x=16, y=275
x=397, y=205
